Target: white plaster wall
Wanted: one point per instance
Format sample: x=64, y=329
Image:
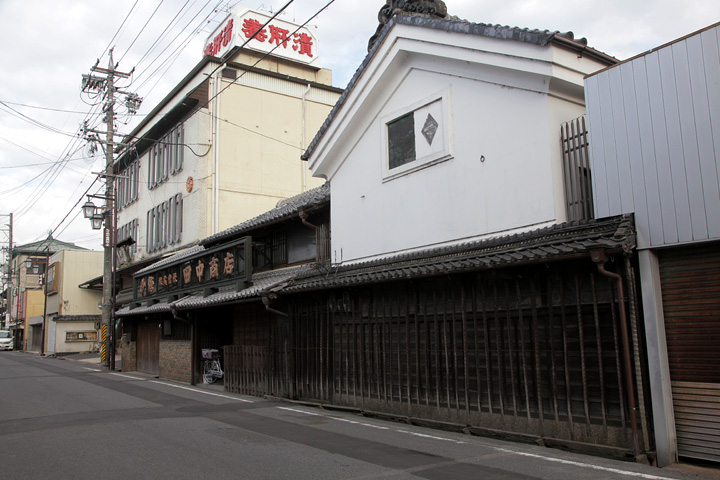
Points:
x=507, y=101
x=196, y=137
x=463, y=197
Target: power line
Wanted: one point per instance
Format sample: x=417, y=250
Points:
x=142, y=30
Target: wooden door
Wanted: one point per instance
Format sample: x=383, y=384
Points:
x=148, y=347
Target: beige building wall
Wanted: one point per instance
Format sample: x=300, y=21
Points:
x=73, y=267
x=242, y=146
x=76, y=266
x=261, y=144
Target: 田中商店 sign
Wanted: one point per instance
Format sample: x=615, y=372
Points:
x=260, y=32
x=214, y=268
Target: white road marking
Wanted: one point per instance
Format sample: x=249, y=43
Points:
x=378, y=427
x=585, y=465
x=91, y=369
x=301, y=411
x=202, y=391
x=504, y=450
x=431, y=437
x=128, y=376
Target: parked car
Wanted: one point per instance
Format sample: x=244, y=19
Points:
x=6, y=340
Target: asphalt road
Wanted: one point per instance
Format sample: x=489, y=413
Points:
x=68, y=420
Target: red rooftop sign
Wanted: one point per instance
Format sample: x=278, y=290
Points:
x=256, y=31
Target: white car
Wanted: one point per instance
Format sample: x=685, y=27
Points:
x=6, y=340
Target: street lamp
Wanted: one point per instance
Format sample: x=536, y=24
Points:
x=96, y=220
x=88, y=209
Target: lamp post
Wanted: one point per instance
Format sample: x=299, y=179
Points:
x=106, y=214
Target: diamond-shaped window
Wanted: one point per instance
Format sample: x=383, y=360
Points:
x=430, y=129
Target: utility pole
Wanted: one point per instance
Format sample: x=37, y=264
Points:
x=105, y=83
x=10, y=274
x=8, y=282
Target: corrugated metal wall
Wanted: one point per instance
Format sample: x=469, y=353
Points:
x=654, y=139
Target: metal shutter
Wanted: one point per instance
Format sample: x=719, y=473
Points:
x=690, y=279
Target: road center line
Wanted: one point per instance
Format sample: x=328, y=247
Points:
x=202, y=391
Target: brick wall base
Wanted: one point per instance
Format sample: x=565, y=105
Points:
x=129, y=356
x=175, y=360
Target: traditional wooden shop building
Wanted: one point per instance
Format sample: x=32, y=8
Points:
x=455, y=289
x=219, y=293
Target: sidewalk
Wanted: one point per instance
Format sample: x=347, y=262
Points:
x=91, y=359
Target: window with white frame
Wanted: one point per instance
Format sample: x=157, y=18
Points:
x=130, y=229
x=127, y=185
x=418, y=136
x=164, y=224
x=166, y=157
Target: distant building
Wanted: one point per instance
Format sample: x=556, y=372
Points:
x=26, y=303
x=73, y=314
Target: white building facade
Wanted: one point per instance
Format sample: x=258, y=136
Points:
x=450, y=132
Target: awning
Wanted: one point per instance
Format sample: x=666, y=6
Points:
x=36, y=320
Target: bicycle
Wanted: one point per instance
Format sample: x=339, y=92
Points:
x=211, y=365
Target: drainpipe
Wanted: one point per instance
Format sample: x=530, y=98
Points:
x=302, y=164
x=267, y=301
x=599, y=256
x=304, y=215
x=216, y=153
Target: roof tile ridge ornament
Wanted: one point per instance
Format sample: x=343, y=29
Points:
x=425, y=8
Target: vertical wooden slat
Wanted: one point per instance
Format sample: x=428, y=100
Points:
x=618, y=367
x=418, y=378
x=499, y=350
x=583, y=360
x=510, y=349
x=428, y=352
x=601, y=369
x=446, y=353
x=408, y=366
x=361, y=355
x=384, y=349
x=466, y=366
x=537, y=365
x=438, y=355
x=568, y=387
x=476, y=347
x=454, y=346
x=397, y=320
x=523, y=363
x=488, y=357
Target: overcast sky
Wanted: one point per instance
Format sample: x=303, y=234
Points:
x=46, y=46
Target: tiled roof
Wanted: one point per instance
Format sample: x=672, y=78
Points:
x=262, y=282
x=49, y=245
x=548, y=244
x=171, y=259
x=285, y=209
x=77, y=318
x=456, y=25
